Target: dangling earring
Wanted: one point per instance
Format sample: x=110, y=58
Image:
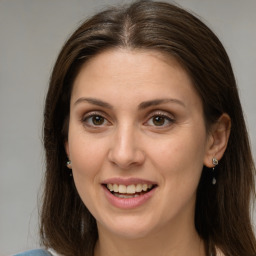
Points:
x=215, y=162
x=69, y=166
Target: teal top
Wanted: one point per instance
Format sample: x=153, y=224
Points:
x=37, y=252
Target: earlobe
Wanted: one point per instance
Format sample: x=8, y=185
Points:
x=218, y=139
x=69, y=164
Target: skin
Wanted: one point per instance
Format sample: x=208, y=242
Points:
x=129, y=141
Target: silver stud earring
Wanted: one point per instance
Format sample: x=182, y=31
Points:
x=69, y=164
x=215, y=162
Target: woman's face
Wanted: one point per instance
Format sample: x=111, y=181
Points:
x=137, y=142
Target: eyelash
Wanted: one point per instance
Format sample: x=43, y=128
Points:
x=87, y=120
x=166, y=118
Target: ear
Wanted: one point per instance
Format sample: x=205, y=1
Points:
x=66, y=145
x=217, y=140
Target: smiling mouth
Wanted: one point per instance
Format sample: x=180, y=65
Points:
x=130, y=191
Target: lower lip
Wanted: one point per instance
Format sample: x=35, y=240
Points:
x=128, y=203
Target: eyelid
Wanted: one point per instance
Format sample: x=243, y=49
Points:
x=94, y=113
x=163, y=114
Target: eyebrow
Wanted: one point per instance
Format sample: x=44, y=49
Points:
x=156, y=102
x=94, y=101
x=142, y=105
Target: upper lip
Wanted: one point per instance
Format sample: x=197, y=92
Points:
x=127, y=181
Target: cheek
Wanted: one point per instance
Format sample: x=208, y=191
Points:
x=85, y=152
x=180, y=157
x=179, y=162
x=87, y=158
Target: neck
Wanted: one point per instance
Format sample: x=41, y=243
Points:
x=179, y=242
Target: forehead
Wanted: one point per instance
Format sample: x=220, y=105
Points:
x=141, y=74
x=120, y=59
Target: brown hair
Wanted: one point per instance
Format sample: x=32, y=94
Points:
x=222, y=216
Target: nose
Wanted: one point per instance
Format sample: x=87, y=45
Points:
x=125, y=151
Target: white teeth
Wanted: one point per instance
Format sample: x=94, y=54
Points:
x=125, y=196
x=138, y=188
x=115, y=188
x=144, y=187
x=122, y=189
x=130, y=189
x=110, y=187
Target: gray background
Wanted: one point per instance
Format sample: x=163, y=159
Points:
x=31, y=35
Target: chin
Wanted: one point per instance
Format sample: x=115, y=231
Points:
x=131, y=233
x=129, y=228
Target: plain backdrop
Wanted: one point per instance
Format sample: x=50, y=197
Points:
x=31, y=35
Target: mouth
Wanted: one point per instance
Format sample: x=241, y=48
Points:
x=129, y=191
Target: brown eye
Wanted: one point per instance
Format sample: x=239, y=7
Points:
x=94, y=120
x=97, y=120
x=158, y=120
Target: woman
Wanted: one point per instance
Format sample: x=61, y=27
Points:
x=147, y=151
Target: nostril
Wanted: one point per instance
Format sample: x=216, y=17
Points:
x=126, y=160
